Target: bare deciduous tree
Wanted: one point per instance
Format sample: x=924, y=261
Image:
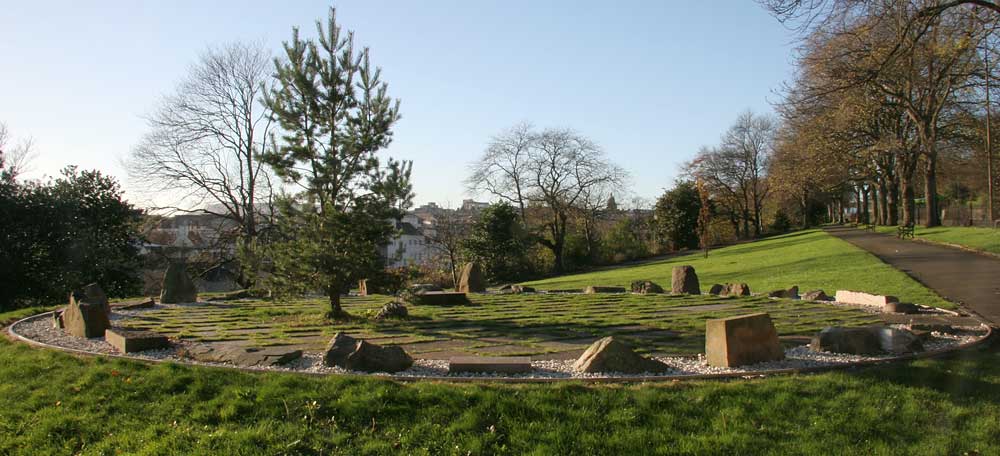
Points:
x=451, y=228
x=206, y=139
x=15, y=158
x=554, y=170
x=736, y=171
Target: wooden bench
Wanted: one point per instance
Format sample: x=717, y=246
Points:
x=870, y=227
x=905, y=231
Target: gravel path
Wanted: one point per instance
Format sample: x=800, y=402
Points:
x=800, y=357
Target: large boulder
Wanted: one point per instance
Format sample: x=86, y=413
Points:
x=646, y=287
x=737, y=289
x=791, y=293
x=901, y=307
x=742, y=340
x=472, y=279
x=897, y=341
x=353, y=354
x=853, y=341
x=684, y=280
x=612, y=355
x=177, y=286
x=815, y=295
x=868, y=340
x=392, y=310
x=717, y=289
x=83, y=318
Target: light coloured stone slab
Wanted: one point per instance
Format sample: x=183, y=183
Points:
x=864, y=299
x=477, y=364
x=128, y=341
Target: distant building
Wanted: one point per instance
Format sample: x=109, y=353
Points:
x=410, y=246
x=473, y=206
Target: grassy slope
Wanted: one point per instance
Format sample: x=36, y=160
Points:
x=52, y=403
x=810, y=259
x=984, y=239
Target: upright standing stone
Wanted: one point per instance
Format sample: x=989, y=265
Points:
x=684, y=280
x=472, y=279
x=363, y=287
x=93, y=294
x=177, y=286
x=742, y=340
x=355, y=354
x=85, y=319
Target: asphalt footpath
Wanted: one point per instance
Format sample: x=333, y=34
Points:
x=960, y=276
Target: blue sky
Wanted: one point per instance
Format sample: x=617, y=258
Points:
x=649, y=81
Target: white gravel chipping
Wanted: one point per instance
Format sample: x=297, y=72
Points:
x=42, y=330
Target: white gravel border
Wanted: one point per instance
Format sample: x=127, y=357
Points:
x=39, y=330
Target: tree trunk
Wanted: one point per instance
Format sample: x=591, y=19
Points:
x=930, y=192
x=864, y=205
x=335, y=310
x=909, y=205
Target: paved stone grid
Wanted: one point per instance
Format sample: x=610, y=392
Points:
x=545, y=326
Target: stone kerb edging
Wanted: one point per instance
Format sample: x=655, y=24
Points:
x=12, y=333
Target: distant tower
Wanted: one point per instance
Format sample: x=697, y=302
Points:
x=612, y=205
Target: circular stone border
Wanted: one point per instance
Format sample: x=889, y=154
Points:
x=14, y=335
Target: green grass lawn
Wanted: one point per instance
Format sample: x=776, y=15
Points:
x=810, y=259
x=976, y=238
x=56, y=404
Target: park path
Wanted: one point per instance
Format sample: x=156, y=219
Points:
x=960, y=276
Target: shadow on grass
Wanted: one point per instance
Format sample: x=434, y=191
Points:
x=966, y=376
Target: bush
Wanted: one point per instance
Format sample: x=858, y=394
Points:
x=64, y=234
x=782, y=224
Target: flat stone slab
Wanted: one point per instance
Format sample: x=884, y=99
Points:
x=864, y=299
x=441, y=298
x=242, y=356
x=500, y=364
x=147, y=304
x=131, y=341
x=599, y=289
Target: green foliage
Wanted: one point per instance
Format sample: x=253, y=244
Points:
x=335, y=115
x=500, y=244
x=63, y=234
x=781, y=224
x=677, y=217
x=327, y=250
x=624, y=242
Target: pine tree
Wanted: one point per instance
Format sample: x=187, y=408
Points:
x=336, y=116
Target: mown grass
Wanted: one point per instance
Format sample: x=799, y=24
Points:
x=55, y=404
x=976, y=238
x=811, y=259
x=526, y=324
